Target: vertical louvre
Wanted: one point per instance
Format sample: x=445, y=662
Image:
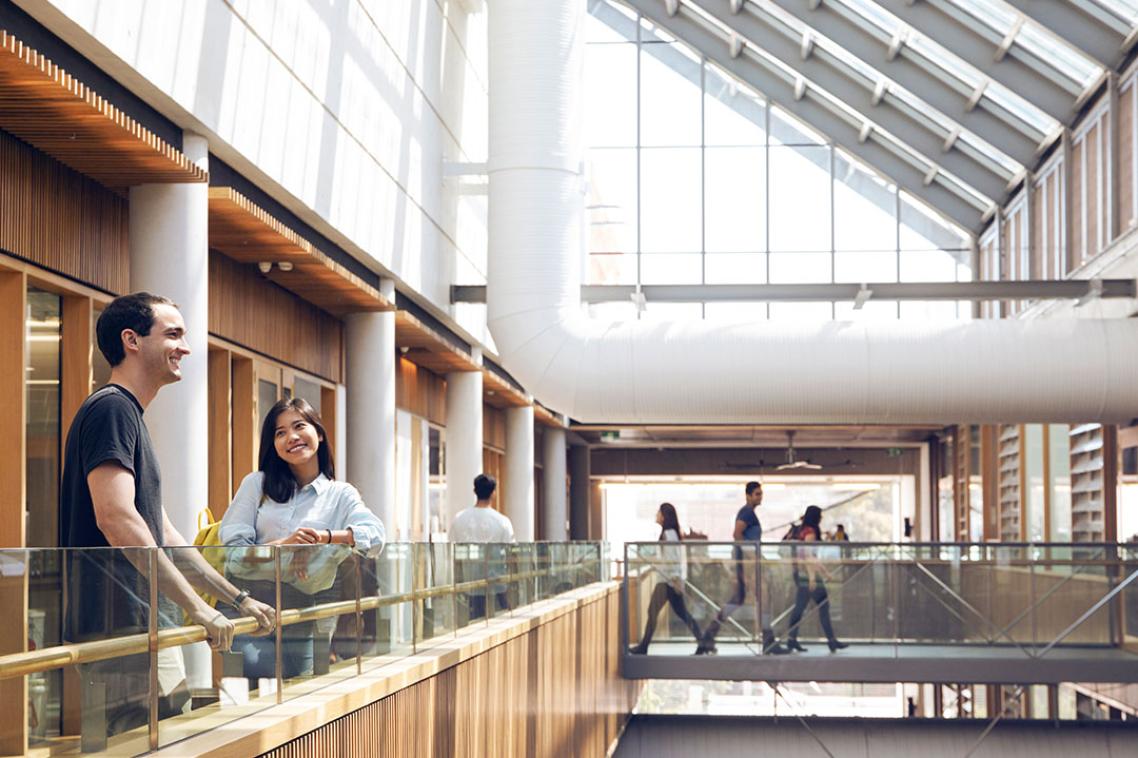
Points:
x=1036, y=255
x=1125, y=162
x=1093, y=213
x=1093, y=478
x=1009, y=478
x=1075, y=254
x=962, y=465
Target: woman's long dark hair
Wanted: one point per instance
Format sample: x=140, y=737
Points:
x=811, y=520
x=279, y=483
x=671, y=521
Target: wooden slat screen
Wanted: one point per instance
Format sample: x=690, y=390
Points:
x=1095, y=207
x=60, y=219
x=251, y=311
x=554, y=691
x=1010, y=481
x=1094, y=474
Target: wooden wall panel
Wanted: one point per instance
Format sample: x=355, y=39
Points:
x=251, y=311
x=493, y=427
x=1095, y=215
x=420, y=392
x=244, y=415
x=221, y=485
x=60, y=219
x=555, y=690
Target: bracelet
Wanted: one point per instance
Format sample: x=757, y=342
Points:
x=241, y=597
x=329, y=536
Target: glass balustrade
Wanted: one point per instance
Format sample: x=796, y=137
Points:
x=100, y=648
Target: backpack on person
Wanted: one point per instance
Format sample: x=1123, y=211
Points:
x=793, y=534
x=209, y=536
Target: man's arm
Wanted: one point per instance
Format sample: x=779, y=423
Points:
x=112, y=495
x=205, y=578
x=740, y=527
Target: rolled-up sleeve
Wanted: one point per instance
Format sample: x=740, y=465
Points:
x=366, y=527
x=238, y=525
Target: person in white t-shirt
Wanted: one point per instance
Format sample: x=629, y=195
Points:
x=672, y=569
x=482, y=524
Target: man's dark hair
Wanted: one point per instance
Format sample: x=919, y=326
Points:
x=752, y=486
x=484, y=486
x=134, y=312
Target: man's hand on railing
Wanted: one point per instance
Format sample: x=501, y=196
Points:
x=265, y=615
x=218, y=629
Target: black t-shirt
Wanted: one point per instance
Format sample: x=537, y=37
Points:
x=106, y=592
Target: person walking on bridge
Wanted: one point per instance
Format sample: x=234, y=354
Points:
x=747, y=529
x=673, y=569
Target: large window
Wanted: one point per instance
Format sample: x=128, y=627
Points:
x=696, y=179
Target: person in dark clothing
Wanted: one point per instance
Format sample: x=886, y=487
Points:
x=809, y=585
x=747, y=529
x=670, y=590
x=110, y=497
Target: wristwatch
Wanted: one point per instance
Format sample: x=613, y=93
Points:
x=241, y=597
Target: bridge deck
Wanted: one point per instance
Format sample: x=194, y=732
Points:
x=885, y=662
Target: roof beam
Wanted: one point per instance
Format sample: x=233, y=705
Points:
x=963, y=40
x=809, y=109
x=1077, y=27
x=999, y=128
x=912, y=129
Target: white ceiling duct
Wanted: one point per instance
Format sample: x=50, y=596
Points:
x=1041, y=370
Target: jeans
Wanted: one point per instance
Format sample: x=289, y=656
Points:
x=802, y=599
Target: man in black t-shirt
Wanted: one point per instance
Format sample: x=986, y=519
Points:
x=111, y=498
x=747, y=529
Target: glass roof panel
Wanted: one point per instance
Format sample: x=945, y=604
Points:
x=1124, y=9
x=1050, y=48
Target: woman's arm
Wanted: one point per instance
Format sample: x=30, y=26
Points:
x=356, y=525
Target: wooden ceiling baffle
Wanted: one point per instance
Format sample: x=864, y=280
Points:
x=500, y=393
x=46, y=107
x=243, y=231
x=427, y=348
x=543, y=415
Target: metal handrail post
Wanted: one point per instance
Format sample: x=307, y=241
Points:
x=152, y=648
x=278, y=662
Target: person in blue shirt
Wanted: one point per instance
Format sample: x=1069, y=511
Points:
x=294, y=500
x=747, y=529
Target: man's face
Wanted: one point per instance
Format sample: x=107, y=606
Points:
x=162, y=350
x=755, y=499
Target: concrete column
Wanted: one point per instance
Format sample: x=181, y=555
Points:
x=553, y=483
x=463, y=440
x=370, y=345
x=579, y=492
x=169, y=256
x=519, y=471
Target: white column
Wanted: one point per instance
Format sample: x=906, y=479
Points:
x=370, y=345
x=169, y=256
x=519, y=471
x=463, y=441
x=556, y=510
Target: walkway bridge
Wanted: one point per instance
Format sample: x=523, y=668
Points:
x=936, y=613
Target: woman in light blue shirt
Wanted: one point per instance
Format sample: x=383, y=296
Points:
x=293, y=500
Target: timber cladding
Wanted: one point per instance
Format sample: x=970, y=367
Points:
x=554, y=691
x=248, y=309
x=59, y=219
x=421, y=392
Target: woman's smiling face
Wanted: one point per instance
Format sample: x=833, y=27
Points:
x=296, y=440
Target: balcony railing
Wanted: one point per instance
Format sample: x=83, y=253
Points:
x=107, y=661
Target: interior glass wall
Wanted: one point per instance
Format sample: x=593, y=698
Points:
x=694, y=178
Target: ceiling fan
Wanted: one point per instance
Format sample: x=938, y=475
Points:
x=792, y=464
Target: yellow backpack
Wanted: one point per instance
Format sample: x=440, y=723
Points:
x=210, y=536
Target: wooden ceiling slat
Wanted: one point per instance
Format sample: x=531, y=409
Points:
x=59, y=115
x=500, y=393
x=243, y=231
x=545, y=416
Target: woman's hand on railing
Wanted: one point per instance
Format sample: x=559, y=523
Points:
x=265, y=615
x=303, y=536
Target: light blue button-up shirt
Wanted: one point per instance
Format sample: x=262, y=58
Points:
x=253, y=519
